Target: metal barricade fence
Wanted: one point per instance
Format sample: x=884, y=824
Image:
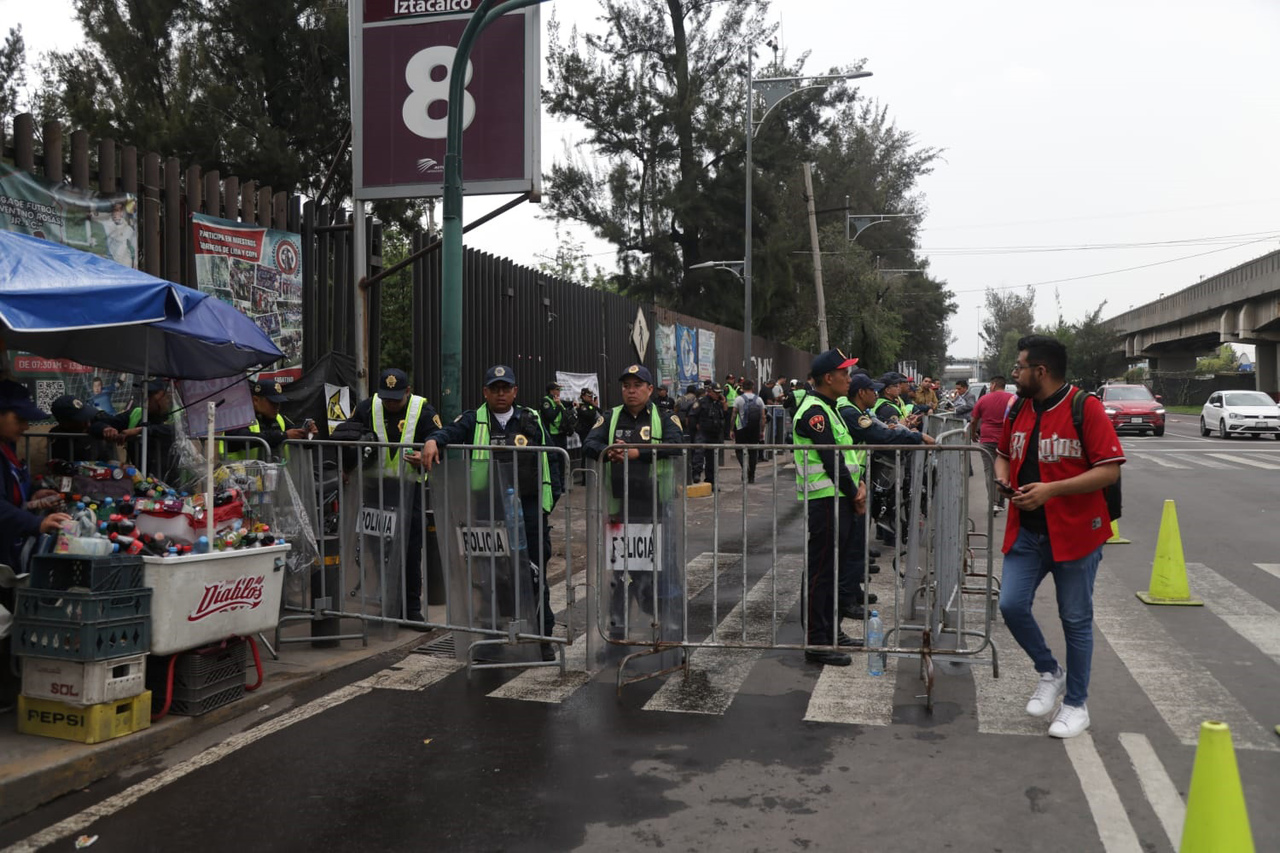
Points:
x=671, y=573
x=461, y=543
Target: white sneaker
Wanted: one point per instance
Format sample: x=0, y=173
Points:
x=1070, y=721
x=1048, y=692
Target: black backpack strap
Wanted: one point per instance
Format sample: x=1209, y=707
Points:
x=1078, y=398
x=1014, y=408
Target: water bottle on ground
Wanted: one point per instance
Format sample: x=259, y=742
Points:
x=515, y=521
x=875, y=639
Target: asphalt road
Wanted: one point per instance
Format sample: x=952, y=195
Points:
x=761, y=751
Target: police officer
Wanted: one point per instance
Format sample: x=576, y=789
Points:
x=662, y=399
x=585, y=413
x=499, y=422
x=268, y=424
x=631, y=486
x=156, y=414
x=75, y=416
x=708, y=415
x=828, y=482
x=555, y=419
x=396, y=415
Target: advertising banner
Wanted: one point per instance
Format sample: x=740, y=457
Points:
x=259, y=271
x=687, y=355
x=706, y=354
x=103, y=225
x=403, y=52
x=665, y=344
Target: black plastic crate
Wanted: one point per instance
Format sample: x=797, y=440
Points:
x=189, y=702
x=200, y=668
x=56, y=605
x=112, y=573
x=114, y=638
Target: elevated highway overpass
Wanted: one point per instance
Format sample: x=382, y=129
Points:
x=1240, y=305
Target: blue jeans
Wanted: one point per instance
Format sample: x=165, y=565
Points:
x=1026, y=564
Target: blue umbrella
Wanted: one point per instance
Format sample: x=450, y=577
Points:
x=60, y=302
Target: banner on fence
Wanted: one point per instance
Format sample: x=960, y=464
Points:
x=706, y=354
x=687, y=355
x=259, y=271
x=665, y=346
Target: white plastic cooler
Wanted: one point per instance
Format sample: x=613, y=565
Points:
x=200, y=599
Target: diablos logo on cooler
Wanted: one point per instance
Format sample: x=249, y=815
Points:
x=239, y=594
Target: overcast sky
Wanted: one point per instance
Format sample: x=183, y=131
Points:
x=1072, y=127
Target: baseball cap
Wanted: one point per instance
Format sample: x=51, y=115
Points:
x=830, y=360
x=499, y=373
x=393, y=383
x=892, y=378
x=15, y=398
x=862, y=381
x=68, y=409
x=273, y=391
x=639, y=371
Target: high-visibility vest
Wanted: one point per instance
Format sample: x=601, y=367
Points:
x=556, y=427
x=904, y=407
x=798, y=395
x=730, y=394
x=482, y=435
x=250, y=450
x=665, y=484
x=811, y=477
x=393, y=464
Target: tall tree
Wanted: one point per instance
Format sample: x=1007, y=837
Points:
x=1007, y=317
x=13, y=71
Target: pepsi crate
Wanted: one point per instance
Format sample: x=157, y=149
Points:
x=192, y=702
x=200, y=668
x=111, y=573
x=56, y=605
x=86, y=641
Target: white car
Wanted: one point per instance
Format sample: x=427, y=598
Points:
x=1240, y=413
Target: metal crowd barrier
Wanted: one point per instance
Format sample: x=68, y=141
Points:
x=377, y=520
x=666, y=582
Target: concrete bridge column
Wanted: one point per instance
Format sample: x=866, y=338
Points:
x=1266, y=365
x=1173, y=361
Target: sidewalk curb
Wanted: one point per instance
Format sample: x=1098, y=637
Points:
x=24, y=792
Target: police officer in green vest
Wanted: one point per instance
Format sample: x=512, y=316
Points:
x=828, y=481
x=156, y=414
x=394, y=415
x=499, y=422
x=268, y=425
x=638, y=481
x=558, y=424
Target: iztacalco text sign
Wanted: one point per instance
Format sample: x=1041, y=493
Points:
x=402, y=54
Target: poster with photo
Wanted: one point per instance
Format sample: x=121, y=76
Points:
x=259, y=271
x=103, y=225
x=687, y=355
x=706, y=354
x=665, y=346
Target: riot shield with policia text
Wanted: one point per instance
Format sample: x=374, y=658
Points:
x=383, y=527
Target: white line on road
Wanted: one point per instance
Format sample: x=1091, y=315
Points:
x=416, y=672
x=716, y=675
x=1162, y=462
x=1183, y=691
x=1208, y=463
x=1272, y=569
x=1255, y=620
x=850, y=695
x=1156, y=785
x=1245, y=460
x=1114, y=829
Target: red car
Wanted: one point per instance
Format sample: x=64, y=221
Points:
x=1133, y=407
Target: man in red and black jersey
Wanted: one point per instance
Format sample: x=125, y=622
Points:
x=1054, y=478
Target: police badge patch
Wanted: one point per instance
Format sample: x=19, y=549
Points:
x=599, y=422
x=436, y=420
x=864, y=421
x=521, y=441
x=818, y=423
x=644, y=433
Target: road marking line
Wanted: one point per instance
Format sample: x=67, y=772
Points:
x=545, y=683
x=1159, y=461
x=1159, y=789
x=1256, y=621
x=1183, y=691
x=1244, y=460
x=1208, y=463
x=1272, y=569
x=110, y=806
x=716, y=675
x=416, y=672
x=1114, y=829
x=852, y=696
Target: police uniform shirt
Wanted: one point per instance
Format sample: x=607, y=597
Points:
x=270, y=432
x=666, y=404
x=360, y=424
x=523, y=429
x=632, y=429
x=886, y=410
x=868, y=429
x=708, y=417
x=815, y=426
x=550, y=409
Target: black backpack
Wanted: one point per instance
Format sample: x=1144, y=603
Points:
x=1112, y=492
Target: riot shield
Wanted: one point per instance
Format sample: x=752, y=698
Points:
x=636, y=562
x=492, y=600
x=383, y=527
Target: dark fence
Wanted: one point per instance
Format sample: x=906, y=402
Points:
x=1189, y=390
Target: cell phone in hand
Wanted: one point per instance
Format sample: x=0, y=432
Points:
x=1005, y=489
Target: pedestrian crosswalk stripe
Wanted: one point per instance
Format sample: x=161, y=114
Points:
x=851, y=695
x=1250, y=617
x=1245, y=460
x=1208, y=463
x=1159, y=789
x=1161, y=462
x=716, y=675
x=1272, y=569
x=1114, y=828
x=1183, y=691
x=1002, y=702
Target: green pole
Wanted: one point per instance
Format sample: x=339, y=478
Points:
x=450, y=402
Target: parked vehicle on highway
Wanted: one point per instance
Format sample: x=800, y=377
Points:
x=1133, y=407
x=1240, y=413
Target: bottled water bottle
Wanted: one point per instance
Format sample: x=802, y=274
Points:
x=515, y=521
x=875, y=639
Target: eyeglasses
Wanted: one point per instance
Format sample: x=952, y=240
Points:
x=1019, y=367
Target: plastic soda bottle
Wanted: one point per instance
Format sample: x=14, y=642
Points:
x=875, y=639
x=515, y=521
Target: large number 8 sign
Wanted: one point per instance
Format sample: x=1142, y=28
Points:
x=424, y=91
